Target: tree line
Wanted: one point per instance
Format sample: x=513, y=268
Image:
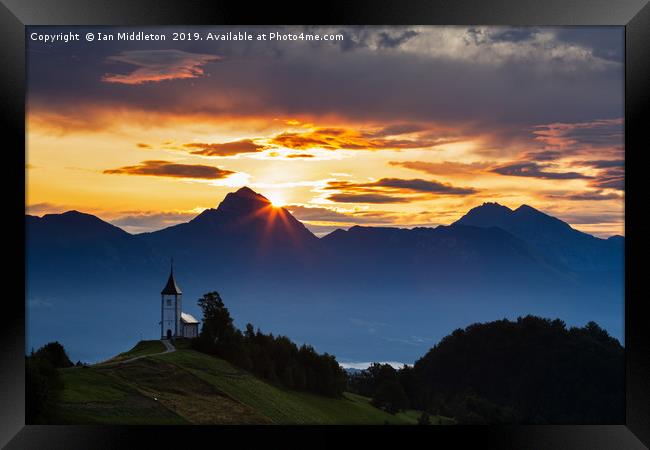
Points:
x=532, y=370
x=274, y=358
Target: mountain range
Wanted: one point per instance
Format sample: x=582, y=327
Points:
x=368, y=293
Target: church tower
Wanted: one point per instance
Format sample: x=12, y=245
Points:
x=170, y=308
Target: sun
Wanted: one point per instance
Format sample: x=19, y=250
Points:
x=277, y=198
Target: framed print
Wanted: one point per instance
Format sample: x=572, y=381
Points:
x=310, y=222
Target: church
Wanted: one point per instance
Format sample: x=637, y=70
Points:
x=174, y=322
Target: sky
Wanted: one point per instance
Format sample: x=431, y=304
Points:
x=385, y=126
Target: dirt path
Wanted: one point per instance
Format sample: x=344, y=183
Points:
x=169, y=347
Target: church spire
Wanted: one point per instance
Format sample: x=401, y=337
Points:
x=171, y=288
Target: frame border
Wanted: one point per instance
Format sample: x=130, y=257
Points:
x=634, y=15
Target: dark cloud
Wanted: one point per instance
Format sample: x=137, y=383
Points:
x=546, y=155
x=609, y=45
x=534, y=170
x=387, y=40
x=174, y=170
x=393, y=190
x=226, y=148
x=514, y=34
x=300, y=155
x=368, y=198
x=363, y=84
x=586, y=196
x=142, y=145
x=612, y=178
x=602, y=164
x=158, y=65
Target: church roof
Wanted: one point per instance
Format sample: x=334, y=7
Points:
x=188, y=318
x=171, y=288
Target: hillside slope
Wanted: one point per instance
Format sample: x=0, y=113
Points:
x=188, y=387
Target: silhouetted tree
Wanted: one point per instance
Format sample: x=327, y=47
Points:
x=275, y=358
x=55, y=354
x=43, y=383
x=390, y=396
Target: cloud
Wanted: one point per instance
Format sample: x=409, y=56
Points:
x=141, y=145
x=348, y=139
x=158, y=65
x=300, y=155
x=602, y=163
x=388, y=40
x=367, y=198
x=143, y=221
x=174, y=170
x=535, y=170
x=444, y=168
x=320, y=214
x=397, y=184
x=572, y=138
x=612, y=178
x=226, y=148
x=586, y=196
x=366, y=84
x=392, y=190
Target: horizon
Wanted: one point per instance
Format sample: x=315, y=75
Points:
x=148, y=134
x=307, y=224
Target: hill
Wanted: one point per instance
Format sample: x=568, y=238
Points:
x=531, y=370
x=188, y=387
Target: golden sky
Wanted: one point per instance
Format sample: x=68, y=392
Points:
x=393, y=127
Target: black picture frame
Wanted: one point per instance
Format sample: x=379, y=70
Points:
x=634, y=15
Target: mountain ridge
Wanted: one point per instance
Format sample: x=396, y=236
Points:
x=362, y=294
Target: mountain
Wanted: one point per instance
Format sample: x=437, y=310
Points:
x=368, y=293
x=554, y=239
x=245, y=232
x=443, y=255
x=79, y=246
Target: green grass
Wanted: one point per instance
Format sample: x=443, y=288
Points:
x=281, y=406
x=93, y=397
x=186, y=386
x=142, y=348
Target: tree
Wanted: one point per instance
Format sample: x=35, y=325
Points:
x=218, y=330
x=390, y=396
x=43, y=384
x=55, y=354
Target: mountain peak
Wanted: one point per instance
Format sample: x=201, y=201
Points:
x=243, y=199
x=488, y=212
x=248, y=192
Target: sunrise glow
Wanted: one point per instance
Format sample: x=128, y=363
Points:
x=384, y=132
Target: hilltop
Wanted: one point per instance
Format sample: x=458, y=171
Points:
x=188, y=387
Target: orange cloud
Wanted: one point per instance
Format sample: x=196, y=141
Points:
x=158, y=65
x=444, y=168
x=174, y=170
x=226, y=148
x=347, y=139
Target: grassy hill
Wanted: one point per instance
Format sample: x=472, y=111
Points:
x=188, y=387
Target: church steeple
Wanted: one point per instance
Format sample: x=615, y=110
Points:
x=171, y=288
